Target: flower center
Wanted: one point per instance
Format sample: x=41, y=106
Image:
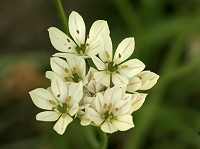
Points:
x=112, y=67
x=75, y=77
x=63, y=108
x=81, y=49
x=108, y=115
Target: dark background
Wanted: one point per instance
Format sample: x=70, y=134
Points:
x=167, y=35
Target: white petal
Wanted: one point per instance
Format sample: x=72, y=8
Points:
x=61, y=41
x=102, y=77
x=94, y=116
x=123, y=122
x=75, y=90
x=119, y=80
x=59, y=89
x=74, y=109
x=77, y=28
x=99, y=103
x=85, y=122
x=134, y=84
x=124, y=50
x=77, y=62
x=52, y=75
x=41, y=97
x=148, y=78
x=90, y=74
x=48, y=116
x=137, y=101
x=59, y=66
x=107, y=52
x=98, y=63
x=112, y=95
x=93, y=48
x=122, y=107
x=131, y=67
x=64, y=55
x=62, y=123
x=108, y=127
x=98, y=27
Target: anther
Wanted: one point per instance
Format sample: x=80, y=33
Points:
x=116, y=109
x=107, y=54
x=107, y=72
x=68, y=40
x=75, y=70
x=52, y=102
x=77, y=31
x=68, y=98
x=87, y=44
x=66, y=70
x=119, y=55
x=68, y=79
x=124, y=66
x=105, y=105
x=58, y=95
x=69, y=47
x=110, y=106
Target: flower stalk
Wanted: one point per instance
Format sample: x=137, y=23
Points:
x=62, y=15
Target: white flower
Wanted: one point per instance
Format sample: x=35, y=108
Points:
x=137, y=101
x=114, y=69
x=92, y=87
x=142, y=81
x=72, y=70
x=62, y=102
x=79, y=45
x=111, y=111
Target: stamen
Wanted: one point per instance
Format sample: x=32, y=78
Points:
x=124, y=66
x=63, y=115
x=58, y=95
x=110, y=106
x=75, y=70
x=105, y=105
x=107, y=72
x=52, y=102
x=66, y=70
x=77, y=31
x=68, y=98
x=87, y=44
x=117, y=72
x=116, y=109
x=119, y=55
x=69, y=47
x=68, y=79
x=107, y=54
x=68, y=40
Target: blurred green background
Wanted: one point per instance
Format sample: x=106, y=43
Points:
x=167, y=35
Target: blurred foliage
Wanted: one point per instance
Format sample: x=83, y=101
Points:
x=167, y=35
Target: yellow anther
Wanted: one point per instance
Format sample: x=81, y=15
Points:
x=110, y=117
x=75, y=70
x=110, y=106
x=66, y=70
x=68, y=98
x=52, y=102
x=107, y=54
x=68, y=79
x=107, y=72
x=124, y=66
x=63, y=115
x=105, y=105
x=116, y=109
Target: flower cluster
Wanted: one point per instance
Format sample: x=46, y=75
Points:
x=104, y=96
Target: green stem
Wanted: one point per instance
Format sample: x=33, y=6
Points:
x=104, y=140
x=62, y=16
